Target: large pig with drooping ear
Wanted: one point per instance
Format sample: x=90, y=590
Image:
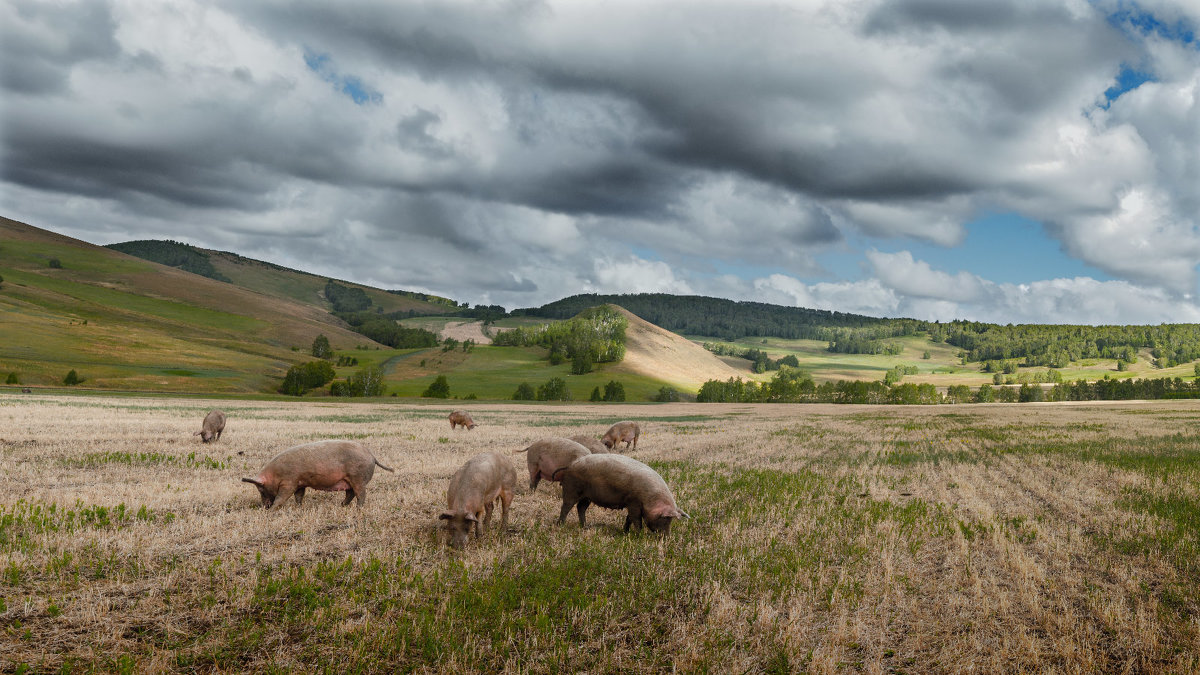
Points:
x=548, y=455
x=592, y=444
x=213, y=425
x=619, y=482
x=329, y=466
x=473, y=492
x=622, y=432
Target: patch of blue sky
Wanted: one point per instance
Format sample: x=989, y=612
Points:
x=1127, y=80
x=999, y=247
x=1136, y=21
x=350, y=85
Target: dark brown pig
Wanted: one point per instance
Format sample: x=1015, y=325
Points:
x=473, y=492
x=549, y=455
x=619, y=482
x=330, y=466
x=214, y=424
x=621, y=432
x=460, y=417
x=592, y=444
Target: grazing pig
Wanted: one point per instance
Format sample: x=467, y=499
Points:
x=459, y=417
x=621, y=432
x=549, y=455
x=592, y=444
x=214, y=424
x=619, y=482
x=330, y=466
x=473, y=492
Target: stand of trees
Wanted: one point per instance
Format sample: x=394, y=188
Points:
x=172, y=254
x=595, y=335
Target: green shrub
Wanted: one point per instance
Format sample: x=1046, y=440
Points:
x=524, y=392
x=304, y=376
x=596, y=395
x=439, y=388
x=321, y=348
x=555, y=389
x=667, y=395
x=12, y=379
x=72, y=378
x=614, y=391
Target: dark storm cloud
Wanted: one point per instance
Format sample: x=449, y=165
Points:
x=40, y=42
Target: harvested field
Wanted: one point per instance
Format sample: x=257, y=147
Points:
x=987, y=538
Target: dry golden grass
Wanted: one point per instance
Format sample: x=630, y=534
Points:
x=997, y=538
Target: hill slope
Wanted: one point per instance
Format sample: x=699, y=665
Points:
x=660, y=354
x=125, y=323
x=272, y=279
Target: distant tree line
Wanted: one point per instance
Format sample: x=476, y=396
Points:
x=172, y=254
x=351, y=304
x=1057, y=346
x=762, y=361
x=795, y=386
x=727, y=319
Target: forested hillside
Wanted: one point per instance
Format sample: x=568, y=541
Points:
x=730, y=319
x=172, y=254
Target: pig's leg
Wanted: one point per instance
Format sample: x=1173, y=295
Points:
x=349, y=497
x=581, y=507
x=506, y=497
x=479, y=523
x=487, y=518
x=635, y=442
x=360, y=491
x=634, y=518
x=300, y=496
x=535, y=477
x=286, y=490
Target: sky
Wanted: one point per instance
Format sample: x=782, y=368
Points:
x=1010, y=161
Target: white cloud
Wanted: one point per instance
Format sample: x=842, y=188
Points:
x=635, y=275
x=915, y=278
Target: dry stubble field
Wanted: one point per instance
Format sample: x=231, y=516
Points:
x=999, y=538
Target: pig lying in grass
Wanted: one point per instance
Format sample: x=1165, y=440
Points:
x=592, y=444
x=619, y=482
x=621, y=432
x=330, y=466
x=473, y=492
x=214, y=424
x=549, y=455
x=461, y=418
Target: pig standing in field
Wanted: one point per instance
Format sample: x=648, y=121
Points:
x=619, y=482
x=473, y=492
x=214, y=424
x=460, y=417
x=621, y=432
x=549, y=455
x=330, y=466
x=592, y=444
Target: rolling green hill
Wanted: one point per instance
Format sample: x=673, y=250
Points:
x=127, y=324
x=276, y=280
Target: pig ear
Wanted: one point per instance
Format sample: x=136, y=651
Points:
x=682, y=514
x=446, y=515
x=251, y=480
x=471, y=517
